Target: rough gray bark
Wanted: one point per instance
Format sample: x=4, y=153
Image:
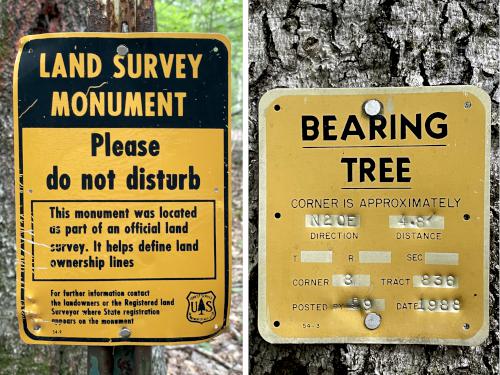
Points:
x=18, y=18
x=363, y=43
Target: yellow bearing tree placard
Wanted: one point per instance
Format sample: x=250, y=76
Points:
x=374, y=215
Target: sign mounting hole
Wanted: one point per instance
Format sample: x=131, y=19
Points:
x=276, y=323
x=277, y=215
x=466, y=217
x=466, y=326
x=277, y=107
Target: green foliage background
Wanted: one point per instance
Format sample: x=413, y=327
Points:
x=217, y=16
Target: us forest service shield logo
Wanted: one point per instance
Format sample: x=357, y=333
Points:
x=201, y=307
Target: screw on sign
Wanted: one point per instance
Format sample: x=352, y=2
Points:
x=372, y=321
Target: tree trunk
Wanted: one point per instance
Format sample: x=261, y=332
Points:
x=18, y=18
x=364, y=43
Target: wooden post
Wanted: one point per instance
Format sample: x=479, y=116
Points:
x=100, y=360
x=129, y=16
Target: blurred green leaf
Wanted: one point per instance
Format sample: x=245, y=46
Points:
x=206, y=346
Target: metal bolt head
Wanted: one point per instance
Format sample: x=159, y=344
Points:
x=122, y=50
x=125, y=333
x=467, y=105
x=372, y=107
x=355, y=302
x=367, y=304
x=348, y=279
x=372, y=321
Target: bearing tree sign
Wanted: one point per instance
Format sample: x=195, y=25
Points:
x=122, y=187
x=374, y=215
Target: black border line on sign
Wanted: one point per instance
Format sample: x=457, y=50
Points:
x=214, y=277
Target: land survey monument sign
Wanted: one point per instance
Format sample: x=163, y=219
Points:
x=122, y=187
x=374, y=215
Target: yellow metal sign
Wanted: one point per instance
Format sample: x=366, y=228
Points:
x=374, y=215
x=122, y=188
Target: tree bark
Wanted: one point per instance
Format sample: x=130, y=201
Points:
x=364, y=43
x=18, y=18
